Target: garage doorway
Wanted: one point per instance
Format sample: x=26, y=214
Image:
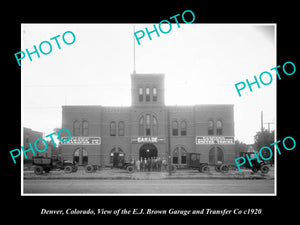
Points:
x=147, y=151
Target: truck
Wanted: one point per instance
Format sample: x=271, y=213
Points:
x=256, y=166
x=42, y=164
x=120, y=164
x=193, y=162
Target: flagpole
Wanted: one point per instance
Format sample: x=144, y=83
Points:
x=133, y=51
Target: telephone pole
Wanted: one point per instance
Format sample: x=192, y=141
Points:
x=262, y=121
x=269, y=125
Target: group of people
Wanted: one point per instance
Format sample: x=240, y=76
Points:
x=150, y=164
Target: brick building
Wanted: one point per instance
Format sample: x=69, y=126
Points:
x=30, y=136
x=102, y=135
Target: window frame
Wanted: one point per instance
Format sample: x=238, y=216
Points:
x=183, y=129
x=121, y=128
x=154, y=94
x=219, y=128
x=112, y=130
x=175, y=128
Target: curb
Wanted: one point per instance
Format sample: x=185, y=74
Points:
x=149, y=178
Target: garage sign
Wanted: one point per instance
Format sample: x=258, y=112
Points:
x=83, y=141
x=222, y=140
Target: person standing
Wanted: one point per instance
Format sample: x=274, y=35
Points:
x=164, y=164
x=137, y=164
x=159, y=164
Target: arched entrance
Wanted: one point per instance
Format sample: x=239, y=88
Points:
x=80, y=156
x=117, y=156
x=148, y=150
x=216, y=155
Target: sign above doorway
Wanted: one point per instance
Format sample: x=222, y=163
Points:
x=83, y=141
x=148, y=139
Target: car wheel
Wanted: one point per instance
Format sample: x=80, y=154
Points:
x=130, y=169
x=264, y=169
x=205, y=169
x=224, y=168
x=89, y=169
x=38, y=170
x=68, y=169
x=75, y=168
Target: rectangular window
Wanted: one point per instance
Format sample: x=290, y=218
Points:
x=113, y=128
x=141, y=126
x=147, y=94
x=154, y=96
x=175, y=128
x=148, y=126
x=175, y=159
x=141, y=94
x=121, y=128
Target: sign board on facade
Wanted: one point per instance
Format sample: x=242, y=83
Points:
x=147, y=140
x=222, y=140
x=82, y=141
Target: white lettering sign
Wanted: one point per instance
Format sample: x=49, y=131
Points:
x=222, y=140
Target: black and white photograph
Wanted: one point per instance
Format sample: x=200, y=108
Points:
x=148, y=112
x=145, y=114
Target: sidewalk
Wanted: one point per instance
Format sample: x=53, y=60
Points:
x=108, y=173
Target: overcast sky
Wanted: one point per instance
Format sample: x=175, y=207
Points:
x=201, y=63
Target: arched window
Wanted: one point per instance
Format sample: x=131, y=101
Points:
x=183, y=127
x=141, y=126
x=121, y=128
x=80, y=156
x=116, y=156
x=210, y=127
x=147, y=94
x=154, y=97
x=183, y=155
x=76, y=128
x=175, y=128
x=175, y=155
x=113, y=129
x=85, y=128
x=179, y=155
x=148, y=125
x=220, y=155
x=141, y=94
x=219, y=127
x=211, y=156
x=154, y=126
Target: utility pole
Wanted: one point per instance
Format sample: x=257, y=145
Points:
x=169, y=141
x=134, y=51
x=269, y=125
x=262, y=121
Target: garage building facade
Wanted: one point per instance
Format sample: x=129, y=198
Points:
x=147, y=128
